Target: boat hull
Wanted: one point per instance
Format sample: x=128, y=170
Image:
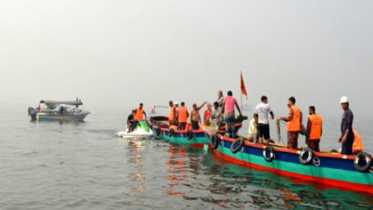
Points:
x=329, y=170
x=51, y=117
x=198, y=140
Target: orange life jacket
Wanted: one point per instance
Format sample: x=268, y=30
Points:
x=173, y=127
x=139, y=114
x=171, y=115
x=358, y=144
x=294, y=124
x=316, y=126
x=183, y=114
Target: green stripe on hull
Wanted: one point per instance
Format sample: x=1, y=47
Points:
x=308, y=170
x=185, y=141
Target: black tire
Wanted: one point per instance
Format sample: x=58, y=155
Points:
x=171, y=133
x=240, y=142
x=306, y=151
x=368, y=161
x=189, y=134
x=215, y=141
x=271, y=152
x=158, y=131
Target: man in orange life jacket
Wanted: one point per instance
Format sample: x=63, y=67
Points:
x=314, y=130
x=182, y=116
x=293, y=123
x=138, y=116
x=172, y=114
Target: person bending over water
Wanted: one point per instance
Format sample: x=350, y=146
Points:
x=130, y=120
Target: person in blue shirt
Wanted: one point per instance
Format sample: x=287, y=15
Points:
x=347, y=134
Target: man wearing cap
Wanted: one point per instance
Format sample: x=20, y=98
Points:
x=347, y=134
x=176, y=106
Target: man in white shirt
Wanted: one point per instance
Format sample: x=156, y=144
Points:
x=253, y=132
x=263, y=110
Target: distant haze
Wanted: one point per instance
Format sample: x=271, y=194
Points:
x=115, y=54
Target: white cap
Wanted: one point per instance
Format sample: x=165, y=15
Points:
x=344, y=100
x=176, y=103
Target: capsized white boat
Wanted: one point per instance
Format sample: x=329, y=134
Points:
x=142, y=130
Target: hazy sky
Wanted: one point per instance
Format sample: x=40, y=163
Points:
x=119, y=53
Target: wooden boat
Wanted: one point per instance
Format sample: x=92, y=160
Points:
x=187, y=137
x=341, y=171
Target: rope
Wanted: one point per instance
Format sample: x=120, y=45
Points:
x=279, y=132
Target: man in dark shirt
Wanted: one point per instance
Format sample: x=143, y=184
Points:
x=130, y=120
x=347, y=135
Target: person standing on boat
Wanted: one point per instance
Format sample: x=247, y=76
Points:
x=314, y=130
x=347, y=134
x=139, y=116
x=293, y=123
x=176, y=106
x=195, y=117
x=228, y=108
x=220, y=99
x=182, y=116
x=263, y=110
x=130, y=120
x=216, y=116
x=140, y=113
x=207, y=115
x=172, y=114
x=253, y=131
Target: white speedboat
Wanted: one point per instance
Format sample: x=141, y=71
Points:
x=142, y=130
x=58, y=110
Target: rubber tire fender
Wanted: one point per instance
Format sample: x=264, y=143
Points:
x=171, y=133
x=240, y=142
x=310, y=153
x=368, y=161
x=271, y=151
x=215, y=141
x=158, y=131
x=189, y=134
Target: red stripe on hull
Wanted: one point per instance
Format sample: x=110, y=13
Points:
x=366, y=189
x=197, y=145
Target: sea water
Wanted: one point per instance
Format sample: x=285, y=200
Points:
x=83, y=165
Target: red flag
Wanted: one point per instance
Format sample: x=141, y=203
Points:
x=243, y=88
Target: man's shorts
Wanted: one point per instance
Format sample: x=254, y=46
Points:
x=263, y=131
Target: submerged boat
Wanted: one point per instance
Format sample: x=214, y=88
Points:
x=58, y=110
x=187, y=137
x=142, y=130
x=341, y=171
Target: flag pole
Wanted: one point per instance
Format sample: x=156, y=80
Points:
x=241, y=93
x=241, y=105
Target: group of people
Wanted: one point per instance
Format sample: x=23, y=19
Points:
x=259, y=130
x=178, y=116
